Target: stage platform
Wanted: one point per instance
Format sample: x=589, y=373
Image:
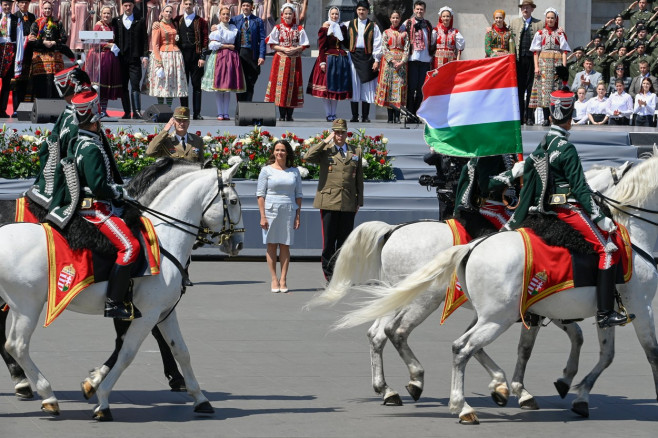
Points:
x=393, y=202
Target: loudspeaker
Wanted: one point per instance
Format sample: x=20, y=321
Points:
x=255, y=113
x=24, y=111
x=47, y=110
x=158, y=113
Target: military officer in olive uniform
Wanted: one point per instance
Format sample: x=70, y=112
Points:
x=340, y=189
x=643, y=13
x=575, y=64
x=181, y=144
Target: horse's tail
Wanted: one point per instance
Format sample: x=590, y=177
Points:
x=439, y=270
x=358, y=261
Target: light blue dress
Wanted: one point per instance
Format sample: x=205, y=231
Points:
x=280, y=188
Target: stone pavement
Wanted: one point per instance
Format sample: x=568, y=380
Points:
x=271, y=369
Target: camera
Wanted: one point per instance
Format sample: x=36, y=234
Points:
x=429, y=181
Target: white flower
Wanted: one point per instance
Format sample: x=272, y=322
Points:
x=246, y=140
x=275, y=139
x=123, y=138
x=139, y=135
x=207, y=138
x=235, y=141
x=308, y=141
x=364, y=163
x=303, y=171
x=233, y=160
x=384, y=140
x=294, y=145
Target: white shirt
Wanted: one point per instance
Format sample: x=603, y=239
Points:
x=645, y=110
x=621, y=102
x=189, y=19
x=376, y=38
x=596, y=106
x=128, y=20
x=423, y=55
x=580, y=112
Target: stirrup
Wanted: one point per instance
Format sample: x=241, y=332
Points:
x=612, y=319
x=125, y=311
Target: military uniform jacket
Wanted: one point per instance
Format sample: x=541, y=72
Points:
x=90, y=171
x=553, y=168
x=483, y=177
x=51, y=150
x=340, y=186
x=166, y=145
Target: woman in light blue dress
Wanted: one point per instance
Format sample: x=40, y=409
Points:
x=279, y=195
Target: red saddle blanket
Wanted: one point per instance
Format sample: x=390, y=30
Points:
x=71, y=271
x=547, y=270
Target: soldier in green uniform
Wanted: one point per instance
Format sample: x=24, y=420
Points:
x=575, y=62
x=602, y=62
x=340, y=189
x=182, y=144
x=554, y=183
x=635, y=59
x=643, y=13
x=640, y=36
x=618, y=40
x=65, y=130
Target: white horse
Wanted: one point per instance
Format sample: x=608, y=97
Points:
x=388, y=253
x=492, y=279
x=200, y=197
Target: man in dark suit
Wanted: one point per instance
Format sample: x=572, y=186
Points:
x=192, y=41
x=636, y=83
x=524, y=29
x=340, y=190
x=131, y=39
x=250, y=44
x=26, y=18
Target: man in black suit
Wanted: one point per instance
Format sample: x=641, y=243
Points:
x=250, y=44
x=193, y=41
x=132, y=41
x=26, y=18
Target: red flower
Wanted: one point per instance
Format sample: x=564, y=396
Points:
x=378, y=137
x=34, y=148
x=252, y=156
x=198, y=133
x=373, y=151
x=283, y=135
x=214, y=156
x=267, y=133
x=383, y=161
x=135, y=155
x=350, y=134
x=37, y=132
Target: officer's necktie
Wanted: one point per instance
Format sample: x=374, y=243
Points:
x=342, y=152
x=183, y=142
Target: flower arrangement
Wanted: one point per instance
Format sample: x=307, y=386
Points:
x=19, y=157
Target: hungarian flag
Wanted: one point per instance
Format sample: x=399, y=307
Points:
x=471, y=108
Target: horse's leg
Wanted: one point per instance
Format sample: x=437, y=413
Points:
x=377, y=338
x=90, y=384
x=646, y=333
x=22, y=388
x=498, y=385
x=607, y=346
x=400, y=327
x=18, y=345
x=563, y=384
x=172, y=334
x=524, y=350
x=175, y=378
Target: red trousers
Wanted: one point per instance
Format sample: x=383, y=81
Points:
x=579, y=220
x=115, y=229
x=496, y=213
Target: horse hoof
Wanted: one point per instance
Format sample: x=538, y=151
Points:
x=393, y=400
x=562, y=388
x=204, y=408
x=500, y=398
x=581, y=408
x=414, y=391
x=529, y=404
x=103, y=414
x=23, y=392
x=50, y=408
x=88, y=389
x=469, y=419
x=177, y=384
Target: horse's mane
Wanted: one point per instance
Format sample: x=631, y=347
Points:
x=637, y=185
x=148, y=183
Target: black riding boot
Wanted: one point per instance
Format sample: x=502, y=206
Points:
x=136, y=100
x=605, y=300
x=282, y=113
x=365, y=112
x=355, y=111
x=530, y=117
x=196, y=103
x=118, y=303
x=389, y=111
x=289, y=115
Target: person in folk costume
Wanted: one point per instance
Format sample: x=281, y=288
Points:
x=330, y=79
x=105, y=63
x=98, y=196
x=421, y=53
x=499, y=40
x=286, y=87
x=223, y=74
x=22, y=69
x=364, y=40
x=554, y=183
x=550, y=48
x=65, y=131
x=48, y=42
x=392, y=83
x=11, y=55
x=193, y=42
x=449, y=41
x=79, y=18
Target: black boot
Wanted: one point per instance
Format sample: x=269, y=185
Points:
x=136, y=100
x=396, y=115
x=605, y=300
x=547, y=117
x=185, y=101
x=365, y=112
x=390, y=115
x=125, y=102
x=118, y=303
x=282, y=114
x=355, y=111
x=530, y=117
x=289, y=115
x=196, y=103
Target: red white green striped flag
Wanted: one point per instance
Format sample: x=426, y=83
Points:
x=471, y=108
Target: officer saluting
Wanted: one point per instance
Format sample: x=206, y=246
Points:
x=340, y=189
x=180, y=145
